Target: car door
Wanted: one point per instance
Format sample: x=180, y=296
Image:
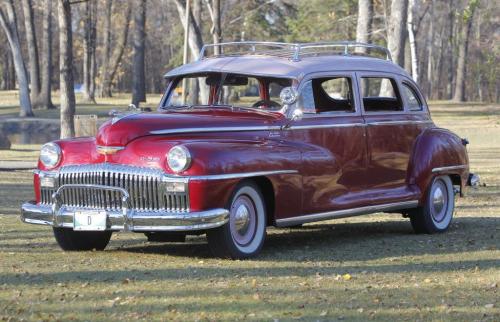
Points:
x=331, y=136
x=390, y=136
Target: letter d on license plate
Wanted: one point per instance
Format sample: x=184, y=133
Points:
x=90, y=220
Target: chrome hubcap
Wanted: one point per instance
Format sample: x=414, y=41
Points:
x=439, y=201
x=243, y=220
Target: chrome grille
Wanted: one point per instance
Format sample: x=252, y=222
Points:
x=146, y=188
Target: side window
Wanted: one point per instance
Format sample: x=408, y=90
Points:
x=412, y=98
x=333, y=94
x=380, y=94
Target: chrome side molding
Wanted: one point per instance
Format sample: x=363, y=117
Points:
x=345, y=213
x=453, y=167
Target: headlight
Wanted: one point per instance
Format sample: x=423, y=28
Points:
x=50, y=154
x=178, y=158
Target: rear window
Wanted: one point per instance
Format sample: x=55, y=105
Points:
x=380, y=94
x=412, y=99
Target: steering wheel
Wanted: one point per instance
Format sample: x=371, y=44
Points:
x=266, y=103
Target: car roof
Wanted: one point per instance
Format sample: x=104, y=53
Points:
x=271, y=66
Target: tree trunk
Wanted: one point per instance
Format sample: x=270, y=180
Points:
x=8, y=21
x=32, y=45
x=430, y=48
x=45, y=93
x=139, y=74
x=195, y=37
x=217, y=36
x=116, y=57
x=451, y=47
x=364, y=26
x=8, y=72
x=105, y=90
x=467, y=18
x=412, y=10
x=66, y=69
x=89, y=52
x=397, y=30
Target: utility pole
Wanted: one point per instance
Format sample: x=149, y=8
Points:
x=186, y=39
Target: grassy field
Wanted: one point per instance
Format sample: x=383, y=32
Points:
x=363, y=268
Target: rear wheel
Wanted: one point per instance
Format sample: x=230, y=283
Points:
x=436, y=214
x=71, y=240
x=244, y=234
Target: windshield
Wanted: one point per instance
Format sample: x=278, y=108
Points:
x=219, y=89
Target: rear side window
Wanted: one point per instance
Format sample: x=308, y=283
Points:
x=323, y=95
x=411, y=98
x=380, y=94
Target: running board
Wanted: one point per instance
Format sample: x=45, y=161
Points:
x=345, y=213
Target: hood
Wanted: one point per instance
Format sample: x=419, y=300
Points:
x=123, y=129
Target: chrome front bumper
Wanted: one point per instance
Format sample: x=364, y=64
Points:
x=130, y=221
x=125, y=218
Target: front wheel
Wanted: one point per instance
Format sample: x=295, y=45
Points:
x=244, y=234
x=436, y=214
x=71, y=240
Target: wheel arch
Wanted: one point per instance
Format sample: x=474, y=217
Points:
x=267, y=190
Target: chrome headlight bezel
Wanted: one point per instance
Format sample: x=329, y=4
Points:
x=178, y=158
x=50, y=155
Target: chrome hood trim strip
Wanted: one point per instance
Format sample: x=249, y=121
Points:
x=216, y=129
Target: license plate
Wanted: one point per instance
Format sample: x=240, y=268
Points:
x=90, y=220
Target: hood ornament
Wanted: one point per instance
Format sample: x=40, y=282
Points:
x=101, y=149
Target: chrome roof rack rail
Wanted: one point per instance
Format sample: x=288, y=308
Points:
x=294, y=51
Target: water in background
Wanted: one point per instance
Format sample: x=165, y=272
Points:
x=30, y=132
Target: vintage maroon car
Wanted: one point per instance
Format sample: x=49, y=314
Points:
x=264, y=134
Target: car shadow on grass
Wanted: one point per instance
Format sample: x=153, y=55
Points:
x=350, y=241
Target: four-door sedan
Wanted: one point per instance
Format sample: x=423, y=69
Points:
x=264, y=134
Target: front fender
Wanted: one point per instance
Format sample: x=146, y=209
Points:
x=212, y=158
x=438, y=151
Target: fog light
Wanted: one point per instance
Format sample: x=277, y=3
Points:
x=47, y=182
x=176, y=187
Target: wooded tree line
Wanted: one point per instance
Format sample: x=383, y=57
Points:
x=450, y=47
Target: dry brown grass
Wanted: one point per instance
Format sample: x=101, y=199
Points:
x=301, y=274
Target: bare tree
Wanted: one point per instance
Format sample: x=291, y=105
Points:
x=195, y=36
x=31, y=39
x=66, y=69
x=111, y=60
x=412, y=9
x=467, y=17
x=364, y=25
x=8, y=21
x=105, y=88
x=138, y=75
x=46, y=85
x=89, y=51
x=397, y=29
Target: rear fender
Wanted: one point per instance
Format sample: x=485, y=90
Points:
x=436, y=152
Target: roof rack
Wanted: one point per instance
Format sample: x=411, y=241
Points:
x=294, y=51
